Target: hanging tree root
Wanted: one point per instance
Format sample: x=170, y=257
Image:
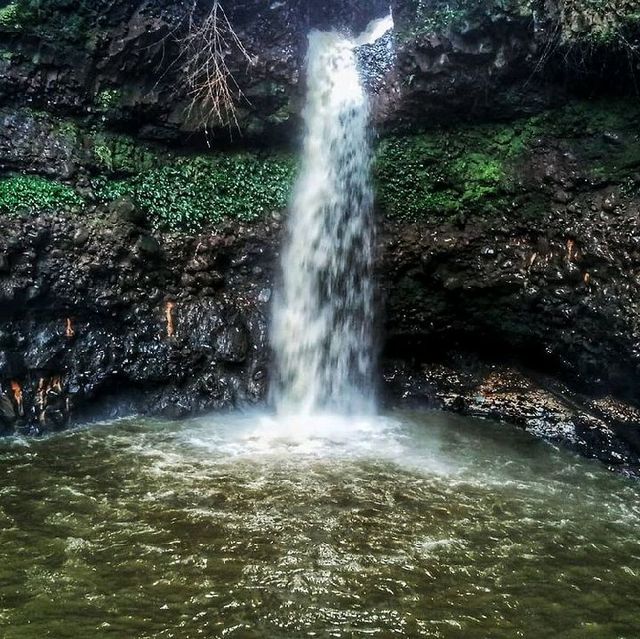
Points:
x=601, y=21
x=581, y=29
x=214, y=93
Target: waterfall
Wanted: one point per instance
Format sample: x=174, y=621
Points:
x=322, y=330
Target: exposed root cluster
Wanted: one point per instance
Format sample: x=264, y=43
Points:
x=598, y=19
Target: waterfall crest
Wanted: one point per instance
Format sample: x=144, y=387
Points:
x=322, y=331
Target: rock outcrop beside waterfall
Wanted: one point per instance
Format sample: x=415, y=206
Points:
x=100, y=318
x=508, y=237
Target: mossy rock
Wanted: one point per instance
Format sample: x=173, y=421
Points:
x=453, y=173
x=60, y=21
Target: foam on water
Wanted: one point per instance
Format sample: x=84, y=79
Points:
x=327, y=435
x=409, y=525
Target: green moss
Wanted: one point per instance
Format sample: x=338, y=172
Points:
x=590, y=117
x=35, y=194
x=447, y=173
x=103, y=156
x=121, y=154
x=195, y=191
x=10, y=16
x=68, y=130
x=176, y=192
x=612, y=165
x=605, y=135
x=473, y=170
x=55, y=20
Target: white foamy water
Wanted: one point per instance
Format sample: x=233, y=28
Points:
x=322, y=331
x=258, y=436
x=376, y=30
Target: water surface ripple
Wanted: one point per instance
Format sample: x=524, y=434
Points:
x=412, y=525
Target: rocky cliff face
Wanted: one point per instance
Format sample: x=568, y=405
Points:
x=100, y=317
x=523, y=307
x=476, y=61
x=137, y=254
x=119, y=64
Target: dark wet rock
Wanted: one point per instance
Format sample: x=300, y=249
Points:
x=603, y=428
x=548, y=284
x=96, y=340
x=232, y=344
x=31, y=140
x=122, y=71
x=80, y=237
x=125, y=210
x=491, y=60
x=147, y=247
x=8, y=414
x=513, y=294
x=123, y=68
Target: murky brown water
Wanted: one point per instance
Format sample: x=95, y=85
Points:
x=417, y=525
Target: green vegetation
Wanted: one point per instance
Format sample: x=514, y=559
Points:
x=108, y=99
x=194, y=191
x=605, y=135
x=115, y=153
x=447, y=173
x=10, y=16
x=473, y=170
x=178, y=193
x=55, y=20
x=36, y=194
x=180, y=196
x=68, y=130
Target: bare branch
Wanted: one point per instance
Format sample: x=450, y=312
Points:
x=213, y=91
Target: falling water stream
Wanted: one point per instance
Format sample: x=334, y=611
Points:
x=347, y=524
x=323, y=314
